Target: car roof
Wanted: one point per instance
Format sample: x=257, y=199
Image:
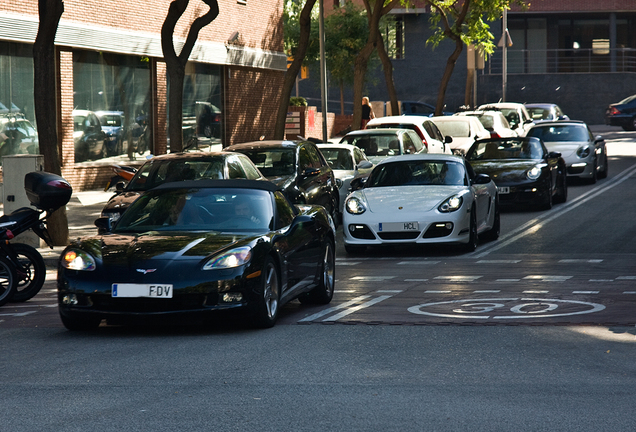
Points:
x=193, y=155
x=378, y=131
x=537, y=105
x=423, y=156
x=337, y=146
x=218, y=184
x=502, y=105
x=560, y=123
x=412, y=119
x=267, y=144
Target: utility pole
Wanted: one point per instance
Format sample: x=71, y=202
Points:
x=323, y=69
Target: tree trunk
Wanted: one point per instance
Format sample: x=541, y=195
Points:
x=293, y=70
x=448, y=72
x=175, y=64
x=388, y=74
x=468, y=96
x=341, y=85
x=44, y=85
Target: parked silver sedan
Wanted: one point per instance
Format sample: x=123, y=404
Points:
x=347, y=161
x=584, y=154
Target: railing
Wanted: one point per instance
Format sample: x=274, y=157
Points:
x=563, y=61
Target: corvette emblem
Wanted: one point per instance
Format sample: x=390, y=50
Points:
x=400, y=208
x=146, y=271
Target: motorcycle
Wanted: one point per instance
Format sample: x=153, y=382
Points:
x=47, y=192
x=122, y=173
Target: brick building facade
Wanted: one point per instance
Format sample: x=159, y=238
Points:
x=110, y=59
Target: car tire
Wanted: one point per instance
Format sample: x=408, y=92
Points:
x=562, y=195
x=323, y=293
x=493, y=233
x=8, y=281
x=75, y=323
x=603, y=174
x=268, y=300
x=30, y=283
x=594, y=177
x=473, y=238
x=354, y=250
x=547, y=205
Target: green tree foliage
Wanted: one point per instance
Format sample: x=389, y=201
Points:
x=464, y=22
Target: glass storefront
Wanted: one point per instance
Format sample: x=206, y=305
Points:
x=111, y=105
x=202, y=116
x=18, y=134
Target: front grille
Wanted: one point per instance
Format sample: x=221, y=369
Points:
x=361, y=232
x=575, y=170
x=441, y=229
x=150, y=305
x=406, y=235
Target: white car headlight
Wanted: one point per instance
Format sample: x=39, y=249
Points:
x=75, y=259
x=535, y=172
x=451, y=204
x=355, y=206
x=230, y=259
x=583, y=152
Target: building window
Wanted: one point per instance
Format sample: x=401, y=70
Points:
x=18, y=134
x=202, y=96
x=394, y=37
x=111, y=105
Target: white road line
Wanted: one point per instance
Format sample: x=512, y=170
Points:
x=486, y=291
x=536, y=292
x=498, y=261
x=415, y=280
x=601, y=280
x=574, y=261
x=548, y=278
x=585, y=292
x=507, y=280
x=357, y=308
x=629, y=292
x=626, y=278
x=459, y=278
x=20, y=314
x=436, y=292
x=372, y=278
x=534, y=225
x=335, y=308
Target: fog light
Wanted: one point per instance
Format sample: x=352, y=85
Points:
x=70, y=299
x=232, y=297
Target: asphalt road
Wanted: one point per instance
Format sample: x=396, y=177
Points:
x=532, y=332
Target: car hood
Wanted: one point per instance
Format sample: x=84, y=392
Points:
x=407, y=198
x=505, y=170
x=120, y=202
x=156, y=249
x=567, y=149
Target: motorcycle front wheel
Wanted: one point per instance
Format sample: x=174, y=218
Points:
x=31, y=274
x=8, y=281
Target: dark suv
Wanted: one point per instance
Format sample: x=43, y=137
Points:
x=299, y=168
x=622, y=114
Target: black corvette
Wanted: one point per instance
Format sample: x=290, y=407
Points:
x=525, y=173
x=194, y=248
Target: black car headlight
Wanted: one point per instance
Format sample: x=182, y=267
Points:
x=583, y=152
x=75, y=259
x=230, y=259
x=451, y=204
x=535, y=172
x=354, y=205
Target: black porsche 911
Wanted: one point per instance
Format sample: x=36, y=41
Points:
x=194, y=248
x=525, y=173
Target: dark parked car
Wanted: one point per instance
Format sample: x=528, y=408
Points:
x=299, y=168
x=622, y=114
x=179, y=167
x=193, y=249
x=90, y=139
x=523, y=169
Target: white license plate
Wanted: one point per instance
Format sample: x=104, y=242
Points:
x=142, y=290
x=398, y=226
x=503, y=189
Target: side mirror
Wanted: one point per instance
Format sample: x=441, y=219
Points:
x=357, y=183
x=481, y=179
x=311, y=172
x=302, y=220
x=102, y=224
x=448, y=139
x=119, y=187
x=365, y=164
x=554, y=155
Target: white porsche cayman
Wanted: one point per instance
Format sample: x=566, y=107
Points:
x=421, y=198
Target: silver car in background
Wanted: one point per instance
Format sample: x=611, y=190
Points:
x=584, y=154
x=347, y=161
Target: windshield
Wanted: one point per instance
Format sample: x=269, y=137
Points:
x=274, y=162
x=561, y=133
x=157, y=171
x=417, y=173
x=338, y=159
x=205, y=209
x=376, y=144
x=516, y=148
x=454, y=128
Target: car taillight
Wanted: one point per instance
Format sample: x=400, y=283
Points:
x=425, y=143
x=494, y=134
x=614, y=111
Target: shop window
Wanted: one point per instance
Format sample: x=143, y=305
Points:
x=112, y=105
x=18, y=134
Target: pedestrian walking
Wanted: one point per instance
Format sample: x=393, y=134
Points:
x=367, y=112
